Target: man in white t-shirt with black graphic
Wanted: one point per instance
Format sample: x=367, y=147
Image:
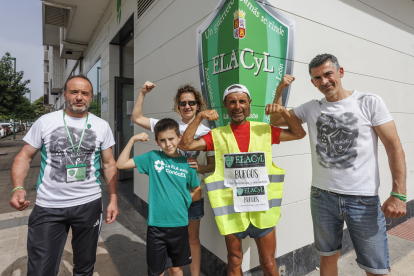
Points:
x=71, y=143
x=343, y=128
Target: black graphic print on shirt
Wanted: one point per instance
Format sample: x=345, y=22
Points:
x=336, y=141
x=62, y=153
x=193, y=154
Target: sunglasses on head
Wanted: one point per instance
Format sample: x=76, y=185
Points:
x=190, y=103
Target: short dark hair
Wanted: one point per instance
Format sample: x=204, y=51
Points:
x=321, y=59
x=166, y=124
x=77, y=76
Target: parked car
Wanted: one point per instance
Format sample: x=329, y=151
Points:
x=2, y=132
x=6, y=129
x=11, y=128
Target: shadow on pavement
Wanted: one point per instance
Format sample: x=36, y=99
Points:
x=103, y=266
x=128, y=255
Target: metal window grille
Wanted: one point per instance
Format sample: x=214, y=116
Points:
x=55, y=16
x=143, y=6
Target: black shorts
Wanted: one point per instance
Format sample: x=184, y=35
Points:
x=167, y=247
x=48, y=231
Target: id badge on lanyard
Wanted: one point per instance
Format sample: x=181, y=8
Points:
x=75, y=172
x=245, y=169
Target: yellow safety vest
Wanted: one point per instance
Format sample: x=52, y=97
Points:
x=221, y=197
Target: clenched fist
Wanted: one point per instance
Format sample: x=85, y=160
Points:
x=394, y=207
x=210, y=115
x=147, y=87
x=140, y=137
x=286, y=81
x=18, y=201
x=274, y=108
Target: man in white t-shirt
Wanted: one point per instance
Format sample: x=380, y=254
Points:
x=343, y=130
x=71, y=143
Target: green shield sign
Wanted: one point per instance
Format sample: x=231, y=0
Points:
x=249, y=43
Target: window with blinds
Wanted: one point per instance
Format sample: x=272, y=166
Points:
x=143, y=6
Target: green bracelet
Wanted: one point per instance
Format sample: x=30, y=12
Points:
x=396, y=194
x=17, y=188
x=400, y=197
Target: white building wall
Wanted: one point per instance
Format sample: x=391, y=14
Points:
x=56, y=72
x=46, y=71
x=57, y=69
x=375, y=50
x=46, y=77
x=99, y=47
x=53, y=54
x=68, y=66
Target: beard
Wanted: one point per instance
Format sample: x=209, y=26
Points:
x=246, y=114
x=330, y=93
x=75, y=109
x=238, y=119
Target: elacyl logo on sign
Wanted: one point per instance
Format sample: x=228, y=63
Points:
x=256, y=54
x=249, y=191
x=229, y=161
x=245, y=160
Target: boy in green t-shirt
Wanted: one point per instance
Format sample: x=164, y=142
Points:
x=170, y=176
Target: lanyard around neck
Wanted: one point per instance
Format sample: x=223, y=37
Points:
x=70, y=138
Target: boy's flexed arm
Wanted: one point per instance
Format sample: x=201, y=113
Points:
x=187, y=141
x=124, y=162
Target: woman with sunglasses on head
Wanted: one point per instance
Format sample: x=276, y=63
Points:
x=188, y=102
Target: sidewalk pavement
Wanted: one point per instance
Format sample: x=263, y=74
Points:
x=401, y=256
x=121, y=247
x=401, y=248
x=13, y=223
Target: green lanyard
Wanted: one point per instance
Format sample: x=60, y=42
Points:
x=70, y=138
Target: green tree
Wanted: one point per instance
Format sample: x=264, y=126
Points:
x=25, y=110
x=38, y=107
x=95, y=107
x=12, y=87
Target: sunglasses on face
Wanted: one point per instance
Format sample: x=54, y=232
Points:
x=190, y=103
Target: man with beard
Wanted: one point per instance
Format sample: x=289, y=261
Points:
x=68, y=189
x=345, y=180
x=245, y=190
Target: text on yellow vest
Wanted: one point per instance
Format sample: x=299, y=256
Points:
x=221, y=197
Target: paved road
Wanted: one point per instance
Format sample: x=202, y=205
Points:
x=13, y=224
x=121, y=247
